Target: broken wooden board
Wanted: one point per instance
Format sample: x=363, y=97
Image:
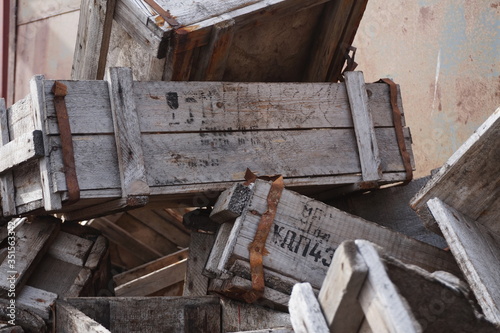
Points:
x=153, y=314
x=305, y=311
x=37, y=301
x=477, y=249
x=366, y=290
x=305, y=234
x=196, y=284
x=468, y=181
x=71, y=320
x=237, y=40
x=213, y=131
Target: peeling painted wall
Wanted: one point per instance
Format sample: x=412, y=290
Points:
x=445, y=54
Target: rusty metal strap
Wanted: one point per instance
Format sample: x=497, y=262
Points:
x=60, y=90
x=257, y=248
x=398, y=127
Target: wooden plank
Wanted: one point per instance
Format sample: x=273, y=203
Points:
x=212, y=265
x=363, y=126
x=334, y=19
x=239, y=316
x=196, y=283
x=51, y=200
x=37, y=301
x=30, y=10
x=152, y=282
x=477, y=250
x=99, y=249
x=32, y=242
x=468, y=181
x=127, y=133
x=150, y=267
x=71, y=320
x=305, y=311
x=20, y=150
x=70, y=248
x=306, y=233
x=80, y=283
x=270, y=330
x=92, y=45
x=385, y=309
x=30, y=322
x=6, y=180
x=339, y=291
x=11, y=55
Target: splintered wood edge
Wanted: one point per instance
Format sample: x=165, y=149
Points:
x=305, y=311
x=231, y=203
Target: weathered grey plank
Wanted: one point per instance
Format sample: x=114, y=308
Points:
x=127, y=133
x=196, y=283
x=32, y=242
x=70, y=248
x=363, y=126
x=306, y=233
x=477, y=249
x=92, y=44
x=97, y=252
x=30, y=322
x=37, y=301
x=305, y=312
x=6, y=180
x=72, y=320
x=338, y=296
x=22, y=149
x=468, y=181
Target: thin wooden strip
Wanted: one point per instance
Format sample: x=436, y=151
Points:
x=363, y=126
x=94, y=30
x=305, y=311
x=477, y=250
x=127, y=134
x=22, y=149
x=196, y=283
x=97, y=252
x=6, y=180
x=51, y=200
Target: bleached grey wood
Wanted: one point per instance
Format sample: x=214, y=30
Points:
x=37, y=301
x=29, y=321
x=305, y=312
x=22, y=149
x=477, y=249
x=468, y=181
x=220, y=244
x=6, y=180
x=70, y=248
x=363, y=126
x=127, y=133
x=270, y=330
x=306, y=233
x=92, y=44
x=385, y=309
x=339, y=291
x=196, y=284
x=72, y=320
x=97, y=252
x=230, y=203
x=51, y=200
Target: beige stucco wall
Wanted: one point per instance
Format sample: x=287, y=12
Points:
x=445, y=54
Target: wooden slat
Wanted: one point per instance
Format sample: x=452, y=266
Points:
x=51, y=200
x=22, y=149
x=6, y=180
x=477, y=250
x=71, y=320
x=307, y=232
x=32, y=242
x=363, y=126
x=199, y=249
x=99, y=248
x=150, y=267
x=385, y=309
x=70, y=248
x=11, y=55
x=339, y=291
x=468, y=181
x=152, y=282
x=34, y=10
x=127, y=134
x=94, y=30
x=305, y=311
x=37, y=301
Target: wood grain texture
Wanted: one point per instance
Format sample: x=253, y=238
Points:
x=196, y=283
x=37, y=301
x=127, y=133
x=6, y=180
x=30, y=10
x=339, y=291
x=92, y=44
x=363, y=126
x=71, y=320
x=22, y=149
x=305, y=312
x=32, y=242
x=98, y=250
x=477, y=249
x=468, y=181
x=70, y=248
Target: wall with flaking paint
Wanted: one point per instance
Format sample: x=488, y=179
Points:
x=445, y=54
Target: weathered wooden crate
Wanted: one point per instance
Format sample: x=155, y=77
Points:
x=303, y=238
x=368, y=291
x=237, y=40
x=178, y=142
x=464, y=199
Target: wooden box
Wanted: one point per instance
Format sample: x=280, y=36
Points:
x=237, y=40
x=125, y=141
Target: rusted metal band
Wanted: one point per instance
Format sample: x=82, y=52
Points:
x=60, y=90
x=257, y=248
x=398, y=127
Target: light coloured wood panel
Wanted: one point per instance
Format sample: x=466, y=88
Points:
x=34, y=10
